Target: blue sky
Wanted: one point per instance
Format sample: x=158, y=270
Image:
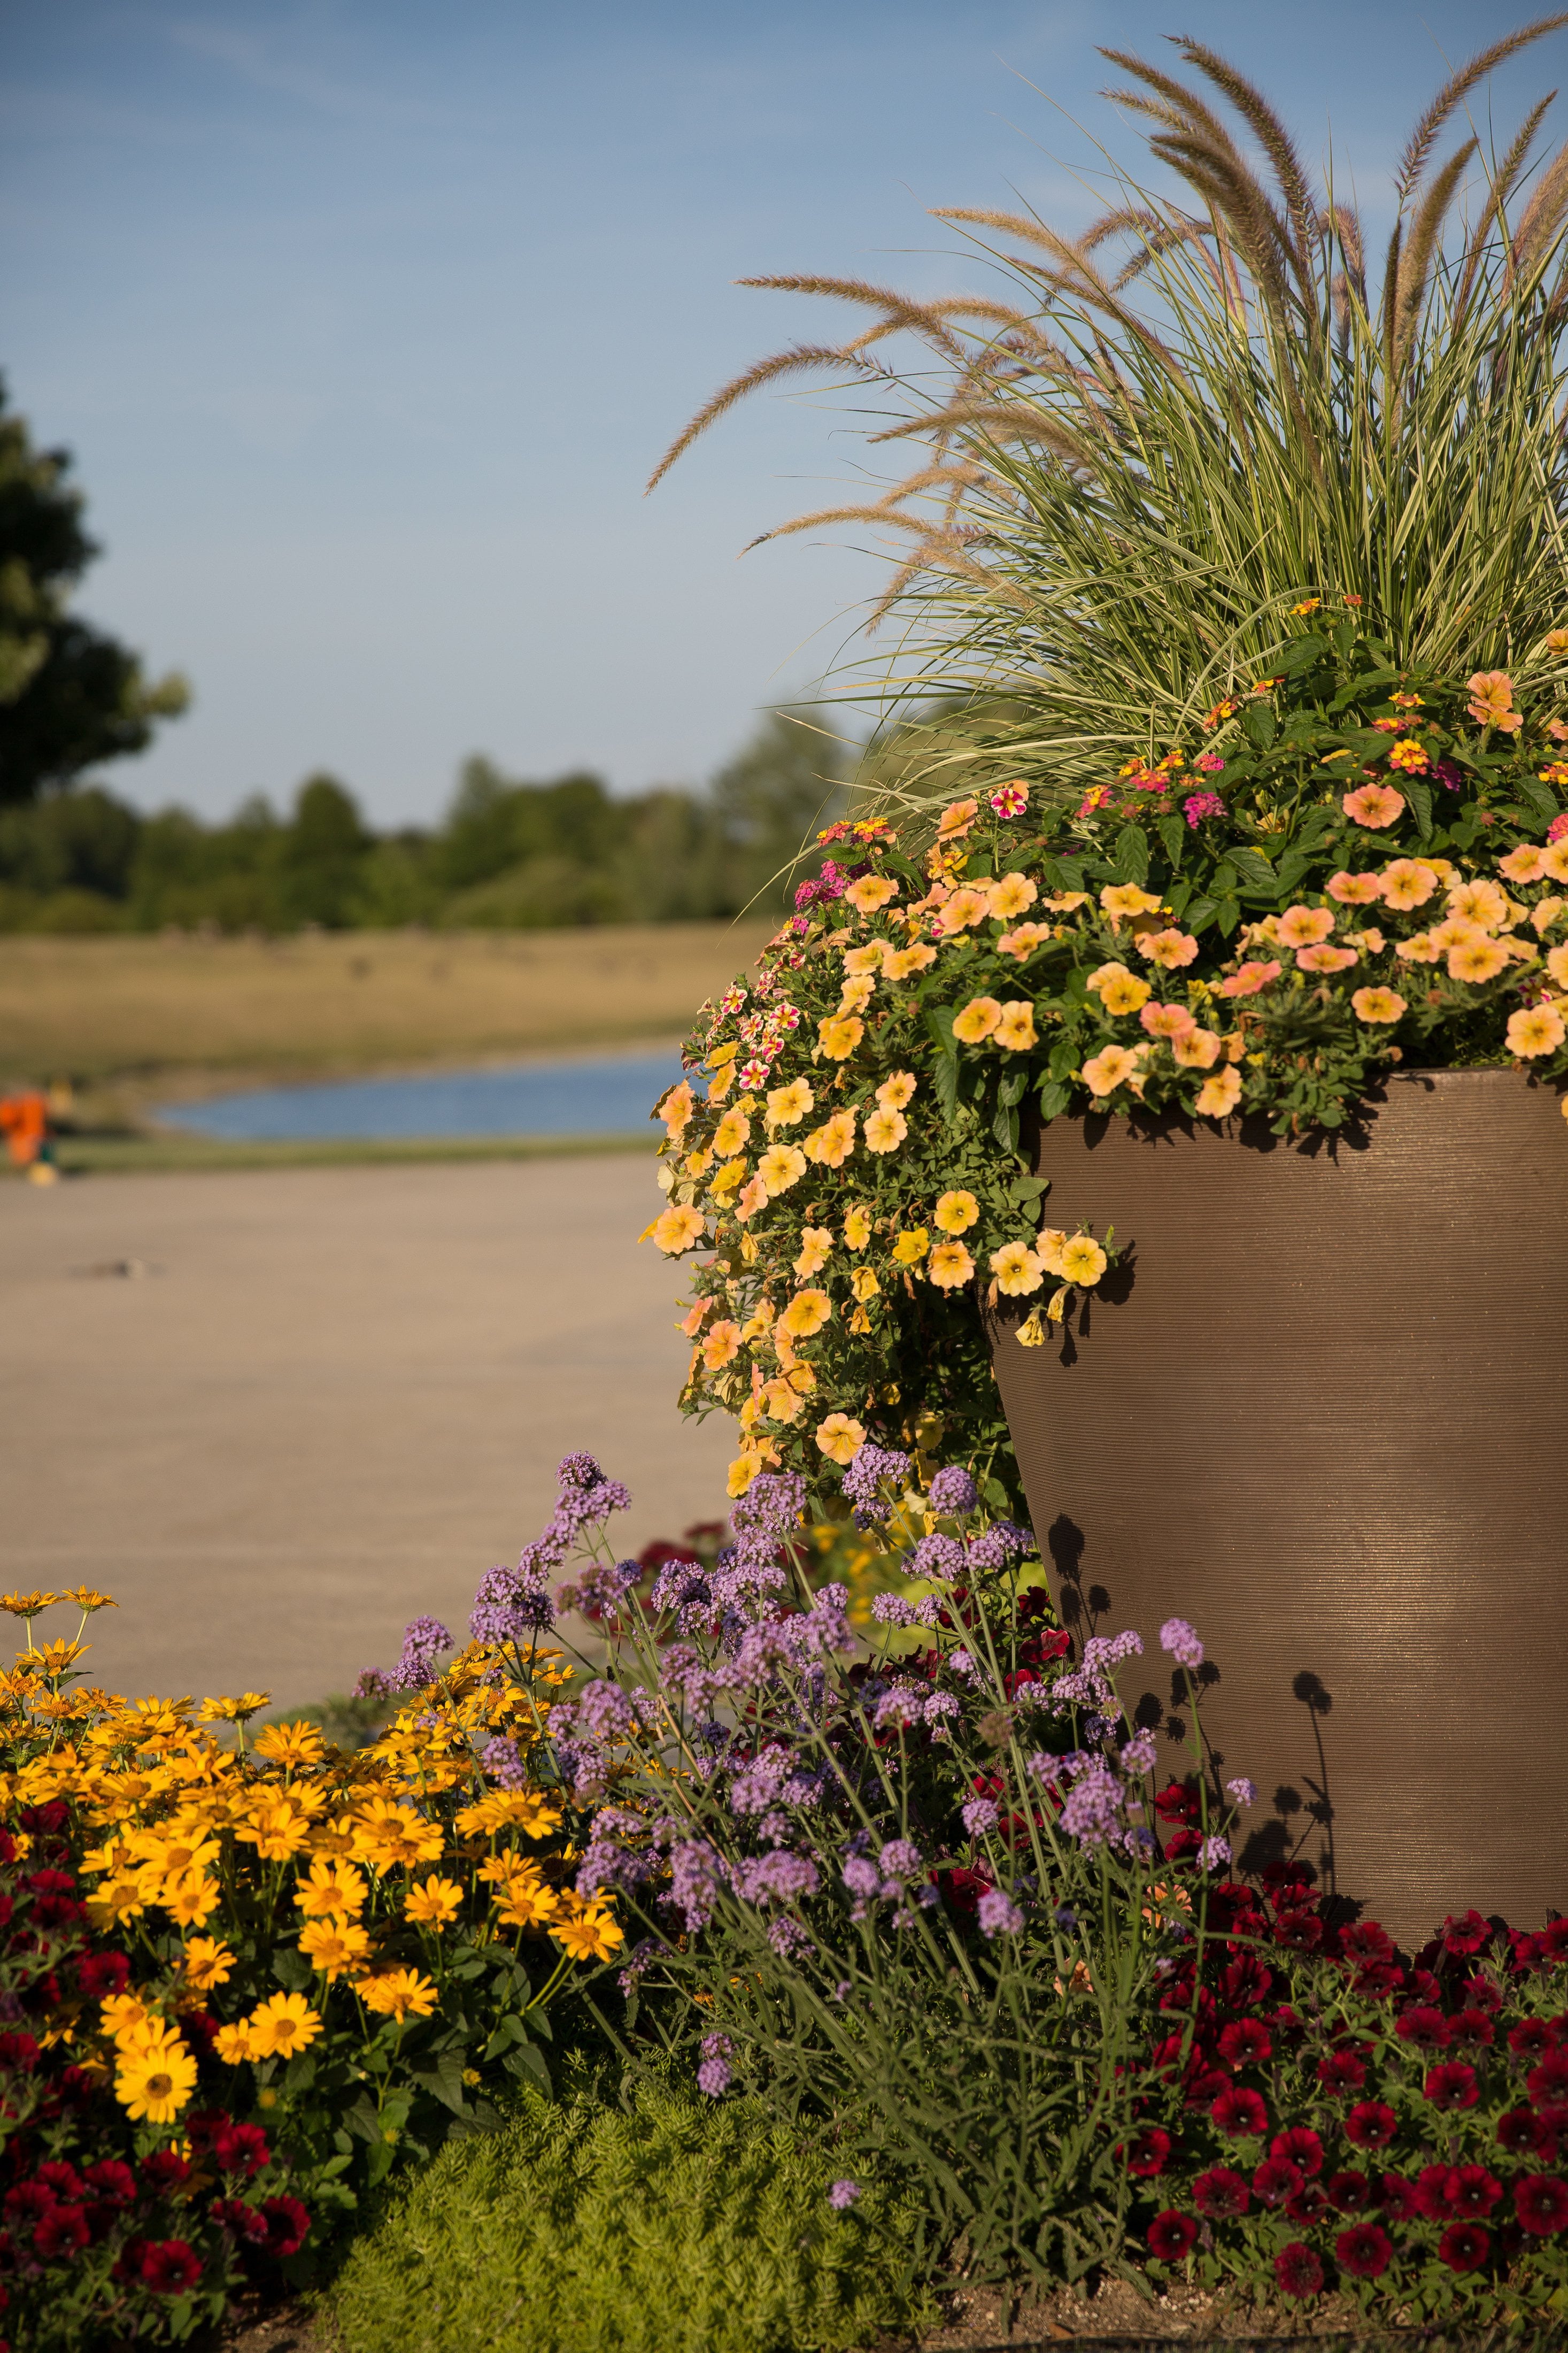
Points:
x=366, y=320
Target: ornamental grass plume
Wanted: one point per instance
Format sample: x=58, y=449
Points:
x=1151, y=438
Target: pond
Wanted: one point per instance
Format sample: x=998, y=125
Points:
x=598, y=1095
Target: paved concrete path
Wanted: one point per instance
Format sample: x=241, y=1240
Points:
x=334, y=1400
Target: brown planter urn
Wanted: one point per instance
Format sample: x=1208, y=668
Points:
x=1320, y=1411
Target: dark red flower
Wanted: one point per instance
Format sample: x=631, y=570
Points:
x=61, y=2181
x=1245, y=1982
x=45, y=1820
x=1479, y=1993
x=1178, y=1802
x=1466, y=1935
x=1239, y=2113
x=1203, y=2084
x=1370, y=2124
x=1350, y=2191
x=1298, y=2269
x=241, y=2148
x=27, y=2198
x=165, y=2170
x=1245, y=2043
x=1548, y=2084
x=1170, y=2236
x=1452, y=2087
x=1150, y=2153
x=1553, y=1940
x=63, y=2231
x=1221, y=2193
x=1473, y=2192
x=112, y=2181
x=1433, y=2199
x=1367, y=1940
x=1525, y=2134
x=51, y=1883
x=235, y=2214
x=1397, y=2197
x=128, y=2265
x=1342, y=2072
x=1274, y=2180
x=1424, y=2026
x=18, y=2052
x=99, y=1975
x=1470, y=2029
x=1301, y=1932
x=1301, y=2145
x=1366, y=2250
x=1541, y=2201
x=1181, y=1843
x=1308, y=2204
x=1464, y=2246
x=169, y=2266
x=288, y=2222
x=1530, y=2039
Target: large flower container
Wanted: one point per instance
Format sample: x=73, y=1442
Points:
x=1320, y=1411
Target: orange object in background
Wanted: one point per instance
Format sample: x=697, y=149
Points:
x=25, y=1124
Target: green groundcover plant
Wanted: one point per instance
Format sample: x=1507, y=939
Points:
x=924, y=1904
x=1364, y=868
x=661, y=2226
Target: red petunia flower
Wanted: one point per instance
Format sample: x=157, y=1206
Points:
x=1541, y=2201
x=1525, y=2134
x=1298, y=2269
x=1240, y=2114
x=169, y=2266
x=1466, y=1935
x=1350, y=2191
x=63, y=2231
x=1245, y=2043
x=1300, y=1932
x=1530, y=2039
x=1464, y=2246
x=1170, y=2236
x=1433, y=2198
x=1342, y=2071
x=165, y=2170
x=1301, y=2145
x=1274, y=2180
x=1451, y=2087
x=1221, y=2194
x=1366, y=2250
x=1473, y=2192
x=1367, y=1940
x=1309, y=2204
x=18, y=2052
x=288, y=2224
x=1548, y=2084
x=1150, y=2153
x=1179, y=1802
x=1470, y=2029
x=241, y=2148
x=62, y=2180
x=1425, y=2026
x=1397, y=2197
x=1245, y=1982
x=101, y=1974
x=1370, y=2124
x=112, y=2181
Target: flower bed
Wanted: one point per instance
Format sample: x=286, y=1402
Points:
x=239, y=1983
x=1365, y=866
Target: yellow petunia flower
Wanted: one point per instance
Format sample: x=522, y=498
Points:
x=910, y=1246
x=885, y=1130
x=838, y=1035
x=950, y=1266
x=677, y=1230
x=816, y=1246
x=858, y=1227
x=806, y=1313
x=840, y=1437
x=733, y=1133
x=955, y=1213
x=977, y=1021
x=782, y=1165
x=788, y=1105
x=1082, y=1261
x=1016, y=1269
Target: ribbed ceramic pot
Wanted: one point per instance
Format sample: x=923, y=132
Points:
x=1320, y=1411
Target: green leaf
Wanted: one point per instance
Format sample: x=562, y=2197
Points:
x=1300, y=654
x=1541, y=797
x=528, y=2059
x=444, y=2080
x=1004, y=1126
x=1178, y=896
x=944, y=1073
x=1131, y=855
x=1066, y=1056
x=1254, y=870
x=1418, y=793
x=292, y=1969
x=1198, y=914
x=1259, y=725
x=1026, y=1192
x=1227, y=917
x=1173, y=832
x=1053, y=1098
x=1062, y=874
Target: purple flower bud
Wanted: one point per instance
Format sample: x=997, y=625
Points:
x=937, y=1556
x=999, y=1916
x=1178, y=1639
x=1140, y=1754
x=842, y=2194
x=1213, y=1853
x=980, y=1815
x=1244, y=1791
x=902, y=1858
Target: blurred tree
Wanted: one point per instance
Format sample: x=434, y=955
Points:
x=69, y=696
x=323, y=853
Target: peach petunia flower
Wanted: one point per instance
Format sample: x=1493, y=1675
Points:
x=1012, y=895
x=1326, y=959
x=1476, y=960
x=753, y=1197
x=1378, y=1005
x=733, y=1134
x=1251, y=978
x=815, y=1243
x=955, y=1213
x=782, y=1165
x=1554, y=859
x=885, y=1130
x=840, y=1437
x=1545, y=913
x=1120, y=899
x=677, y=1108
x=898, y=963
x=1050, y=1247
x=1218, y=1096
x=856, y=1227
x=1491, y=700
x=1537, y=1029
x=956, y=819
x=831, y=1144
x=1016, y=1269
x=1122, y=992
x=1024, y=939
x=1196, y=1049
x=1557, y=965
x=868, y=958
x=1304, y=927
x=963, y=911
x=788, y=1105
x=1165, y=1020
x=1525, y=864
x=856, y=994
x=1082, y=1261
x=1169, y=949
x=1108, y=1070
x=677, y=1230
x=897, y=1093
x=977, y=1021
x=838, y=1035
x=950, y=1266
x=806, y=1313
x=1016, y=1030
x=721, y=1346
x=865, y=1284
x=1375, y=806
x=1355, y=889
x=1479, y=903
x=871, y=892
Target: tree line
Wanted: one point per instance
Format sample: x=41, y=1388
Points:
x=507, y=853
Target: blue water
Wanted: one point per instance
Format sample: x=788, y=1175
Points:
x=603, y=1097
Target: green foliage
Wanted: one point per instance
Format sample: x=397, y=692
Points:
x=69, y=696
x=668, y=2227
